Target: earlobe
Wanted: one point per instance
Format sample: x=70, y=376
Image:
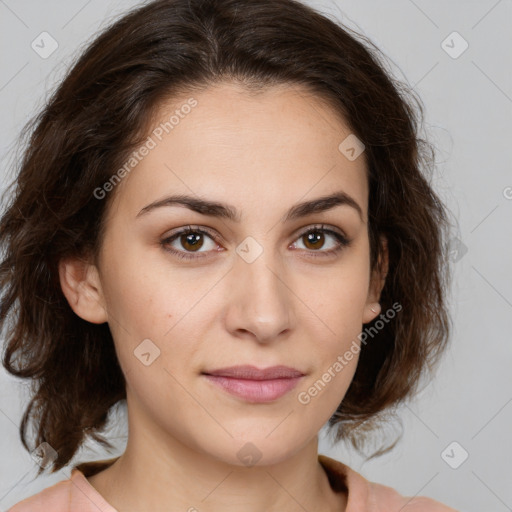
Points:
x=81, y=286
x=372, y=309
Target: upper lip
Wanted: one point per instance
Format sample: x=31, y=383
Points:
x=253, y=373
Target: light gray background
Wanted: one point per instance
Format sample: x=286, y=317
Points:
x=468, y=103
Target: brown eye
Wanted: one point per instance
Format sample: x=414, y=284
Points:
x=317, y=237
x=191, y=241
x=314, y=239
x=188, y=241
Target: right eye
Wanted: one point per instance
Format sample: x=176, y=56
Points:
x=190, y=239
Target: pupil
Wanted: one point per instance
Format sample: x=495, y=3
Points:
x=192, y=240
x=314, y=238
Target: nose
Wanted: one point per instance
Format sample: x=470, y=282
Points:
x=260, y=300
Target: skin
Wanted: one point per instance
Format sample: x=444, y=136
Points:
x=261, y=154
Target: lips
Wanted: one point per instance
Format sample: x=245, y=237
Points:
x=250, y=372
x=255, y=385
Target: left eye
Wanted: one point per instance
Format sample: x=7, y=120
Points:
x=191, y=240
x=315, y=237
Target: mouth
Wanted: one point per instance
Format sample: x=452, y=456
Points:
x=255, y=385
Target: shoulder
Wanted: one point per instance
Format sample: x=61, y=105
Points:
x=54, y=498
x=381, y=495
x=366, y=496
x=74, y=494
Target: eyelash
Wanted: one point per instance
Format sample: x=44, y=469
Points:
x=342, y=242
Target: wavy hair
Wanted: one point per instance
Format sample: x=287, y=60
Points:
x=101, y=111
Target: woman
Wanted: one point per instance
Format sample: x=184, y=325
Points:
x=221, y=217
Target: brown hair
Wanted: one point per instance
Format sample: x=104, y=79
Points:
x=100, y=113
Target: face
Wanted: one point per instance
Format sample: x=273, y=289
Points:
x=269, y=284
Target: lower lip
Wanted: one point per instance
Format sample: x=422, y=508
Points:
x=257, y=391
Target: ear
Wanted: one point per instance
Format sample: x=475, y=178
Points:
x=377, y=282
x=81, y=285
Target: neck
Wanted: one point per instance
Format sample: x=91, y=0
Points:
x=157, y=472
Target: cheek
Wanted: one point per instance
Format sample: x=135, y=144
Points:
x=322, y=393
x=141, y=296
x=336, y=322
x=337, y=297
x=336, y=355
x=156, y=319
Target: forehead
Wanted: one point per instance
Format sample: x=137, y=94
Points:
x=279, y=146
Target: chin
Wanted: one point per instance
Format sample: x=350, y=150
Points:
x=257, y=449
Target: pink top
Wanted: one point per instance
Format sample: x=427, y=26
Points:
x=76, y=494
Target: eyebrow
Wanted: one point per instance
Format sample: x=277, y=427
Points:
x=226, y=211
